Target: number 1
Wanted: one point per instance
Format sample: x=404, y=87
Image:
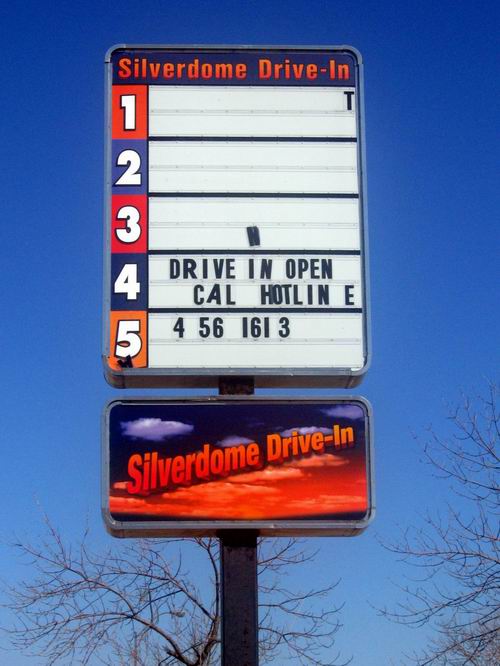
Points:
x=127, y=103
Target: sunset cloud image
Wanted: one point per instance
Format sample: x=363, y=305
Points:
x=154, y=430
x=300, y=471
x=346, y=411
x=302, y=490
x=233, y=440
x=304, y=430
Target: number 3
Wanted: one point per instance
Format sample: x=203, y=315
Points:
x=132, y=230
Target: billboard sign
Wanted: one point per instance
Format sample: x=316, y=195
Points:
x=280, y=466
x=235, y=216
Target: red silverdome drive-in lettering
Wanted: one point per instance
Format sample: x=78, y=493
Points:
x=196, y=69
x=291, y=70
x=151, y=472
x=143, y=67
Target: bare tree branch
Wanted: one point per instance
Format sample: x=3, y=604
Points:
x=137, y=603
x=458, y=553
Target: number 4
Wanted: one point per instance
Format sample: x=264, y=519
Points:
x=127, y=283
x=179, y=327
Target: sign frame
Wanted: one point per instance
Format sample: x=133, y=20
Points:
x=264, y=377
x=277, y=527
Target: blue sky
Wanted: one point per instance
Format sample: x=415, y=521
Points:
x=433, y=232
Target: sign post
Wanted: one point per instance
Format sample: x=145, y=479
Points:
x=236, y=258
x=239, y=630
x=239, y=588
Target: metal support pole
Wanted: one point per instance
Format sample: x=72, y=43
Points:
x=239, y=574
x=239, y=598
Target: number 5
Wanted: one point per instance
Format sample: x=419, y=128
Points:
x=128, y=340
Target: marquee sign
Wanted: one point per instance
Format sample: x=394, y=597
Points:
x=235, y=226
x=280, y=466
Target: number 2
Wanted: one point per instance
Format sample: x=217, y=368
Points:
x=132, y=160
